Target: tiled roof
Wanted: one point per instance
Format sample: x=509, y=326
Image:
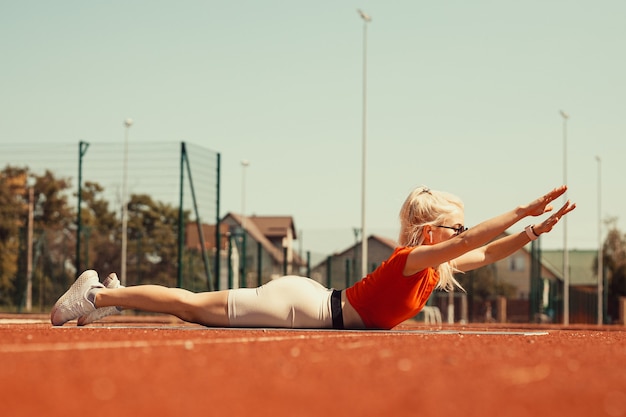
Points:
x=384, y=240
x=581, y=264
x=273, y=226
x=255, y=226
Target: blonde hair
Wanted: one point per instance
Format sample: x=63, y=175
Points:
x=424, y=207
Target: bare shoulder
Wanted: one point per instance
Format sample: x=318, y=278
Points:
x=417, y=260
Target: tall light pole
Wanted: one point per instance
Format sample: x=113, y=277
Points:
x=366, y=20
x=565, y=249
x=30, y=184
x=600, y=265
x=243, y=278
x=244, y=165
x=127, y=124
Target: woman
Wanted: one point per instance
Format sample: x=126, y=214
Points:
x=434, y=243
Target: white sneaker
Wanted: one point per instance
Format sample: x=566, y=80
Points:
x=74, y=303
x=110, y=282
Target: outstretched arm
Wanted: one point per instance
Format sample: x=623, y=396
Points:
x=432, y=255
x=505, y=246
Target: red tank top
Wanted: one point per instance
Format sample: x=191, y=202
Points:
x=386, y=298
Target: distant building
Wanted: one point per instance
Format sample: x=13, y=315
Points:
x=253, y=250
x=537, y=298
x=583, y=278
x=582, y=270
x=342, y=269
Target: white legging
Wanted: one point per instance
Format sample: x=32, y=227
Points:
x=289, y=301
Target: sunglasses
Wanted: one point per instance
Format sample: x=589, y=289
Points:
x=457, y=230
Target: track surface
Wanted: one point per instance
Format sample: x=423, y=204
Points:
x=159, y=366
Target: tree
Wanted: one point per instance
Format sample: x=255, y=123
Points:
x=153, y=237
x=101, y=229
x=482, y=286
x=97, y=213
x=53, y=244
x=614, y=262
x=51, y=217
x=51, y=195
x=12, y=211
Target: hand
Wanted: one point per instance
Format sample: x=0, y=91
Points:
x=542, y=204
x=547, y=225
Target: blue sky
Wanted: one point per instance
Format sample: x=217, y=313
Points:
x=463, y=96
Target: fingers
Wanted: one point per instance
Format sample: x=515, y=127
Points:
x=567, y=207
x=542, y=204
x=551, y=221
x=557, y=192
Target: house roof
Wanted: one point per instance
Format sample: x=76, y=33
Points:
x=581, y=261
x=192, y=237
x=274, y=226
x=392, y=244
x=581, y=265
x=278, y=225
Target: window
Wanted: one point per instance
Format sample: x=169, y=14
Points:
x=517, y=263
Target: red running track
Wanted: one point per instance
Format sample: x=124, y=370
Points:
x=159, y=366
